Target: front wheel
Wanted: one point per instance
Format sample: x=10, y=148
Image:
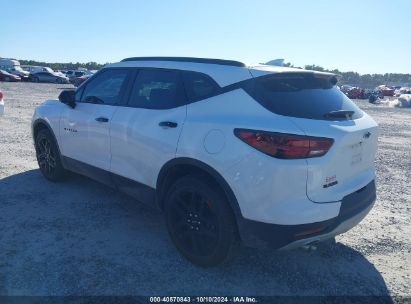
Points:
x=200, y=222
x=48, y=156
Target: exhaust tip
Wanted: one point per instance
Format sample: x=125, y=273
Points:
x=310, y=246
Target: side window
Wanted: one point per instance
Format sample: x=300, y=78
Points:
x=105, y=88
x=155, y=89
x=199, y=86
x=78, y=94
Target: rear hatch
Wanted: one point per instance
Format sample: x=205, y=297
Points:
x=313, y=103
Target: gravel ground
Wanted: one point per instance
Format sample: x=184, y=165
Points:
x=81, y=238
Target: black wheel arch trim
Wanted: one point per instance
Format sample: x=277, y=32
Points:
x=218, y=178
x=44, y=122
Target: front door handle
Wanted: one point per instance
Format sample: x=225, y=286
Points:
x=102, y=119
x=168, y=124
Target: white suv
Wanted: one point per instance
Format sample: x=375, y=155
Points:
x=271, y=156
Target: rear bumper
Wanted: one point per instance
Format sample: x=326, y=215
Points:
x=354, y=207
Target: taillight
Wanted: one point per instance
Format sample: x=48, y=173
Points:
x=1, y=95
x=285, y=146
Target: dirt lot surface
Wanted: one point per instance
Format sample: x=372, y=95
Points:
x=81, y=238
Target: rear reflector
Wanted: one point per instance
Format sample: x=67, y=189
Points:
x=1, y=95
x=285, y=146
x=311, y=231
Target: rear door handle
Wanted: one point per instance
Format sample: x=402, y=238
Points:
x=168, y=124
x=102, y=119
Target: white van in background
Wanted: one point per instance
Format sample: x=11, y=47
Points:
x=8, y=63
x=13, y=66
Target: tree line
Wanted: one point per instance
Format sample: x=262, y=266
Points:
x=363, y=80
x=64, y=66
x=351, y=78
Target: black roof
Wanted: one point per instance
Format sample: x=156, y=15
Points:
x=188, y=59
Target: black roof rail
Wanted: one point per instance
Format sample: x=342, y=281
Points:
x=188, y=59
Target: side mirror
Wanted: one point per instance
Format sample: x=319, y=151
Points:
x=68, y=97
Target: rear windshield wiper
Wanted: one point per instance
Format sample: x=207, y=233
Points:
x=339, y=114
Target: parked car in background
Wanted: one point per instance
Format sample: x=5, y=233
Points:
x=345, y=87
x=402, y=90
x=6, y=76
x=353, y=92
x=74, y=74
x=37, y=69
x=17, y=70
x=224, y=149
x=77, y=81
x=385, y=90
x=1, y=104
x=48, y=77
x=61, y=73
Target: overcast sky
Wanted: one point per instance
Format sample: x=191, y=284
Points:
x=367, y=36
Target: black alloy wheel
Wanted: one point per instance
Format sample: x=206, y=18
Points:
x=200, y=222
x=48, y=156
x=194, y=223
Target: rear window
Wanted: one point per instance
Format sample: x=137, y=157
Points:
x=303, y=96
x=199, y=86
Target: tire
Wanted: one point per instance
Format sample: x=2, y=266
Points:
x=48, y=156
x=7, y=78
x=35, y=79
x=200, y=221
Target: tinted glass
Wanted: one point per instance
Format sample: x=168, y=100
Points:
x=302, y=95
x=78, y=94
x=155, y=89
x=199, y=86
x=105, y=88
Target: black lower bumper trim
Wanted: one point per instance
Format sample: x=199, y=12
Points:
x=258, y=234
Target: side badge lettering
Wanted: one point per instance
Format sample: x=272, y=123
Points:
x=330, y=181
x=70, y=130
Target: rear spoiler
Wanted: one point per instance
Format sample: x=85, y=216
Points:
x=333, y=77
x=265, y=70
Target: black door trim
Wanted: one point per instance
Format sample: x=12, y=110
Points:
x=141, y=192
